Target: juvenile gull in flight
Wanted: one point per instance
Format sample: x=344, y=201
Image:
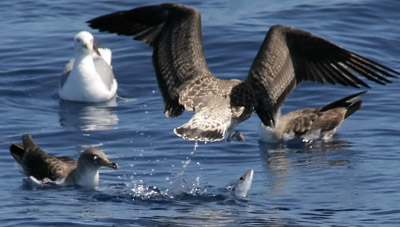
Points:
x=43, y=167
x=287, y=57
x=310, y=123
x=88, y=77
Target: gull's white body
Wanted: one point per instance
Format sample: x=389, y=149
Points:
x=82, y=80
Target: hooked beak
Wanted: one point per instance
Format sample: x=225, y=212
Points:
x=107, y=163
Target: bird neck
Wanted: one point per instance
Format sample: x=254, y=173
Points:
x=85, y=57
x=85, y=176
x=85, y=66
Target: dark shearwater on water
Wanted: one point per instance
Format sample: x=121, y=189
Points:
x=287, y=57
x=38, y=164
x=312, y=123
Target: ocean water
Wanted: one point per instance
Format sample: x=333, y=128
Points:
x=353, y=180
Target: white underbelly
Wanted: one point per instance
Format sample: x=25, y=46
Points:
x=86, y=89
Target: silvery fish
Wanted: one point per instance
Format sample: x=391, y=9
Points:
x=243, y=185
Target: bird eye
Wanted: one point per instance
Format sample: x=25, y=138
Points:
x=95, y=157
x=241, y=178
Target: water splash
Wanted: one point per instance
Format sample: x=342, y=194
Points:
x=188, y=159
x=180, y=185
x=140, y=190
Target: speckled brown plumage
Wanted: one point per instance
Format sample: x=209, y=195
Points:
x=40, y=165
x=317, y=122
x=37, y=163
x=287, y=57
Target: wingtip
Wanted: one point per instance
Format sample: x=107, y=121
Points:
x=28, y=142
x=354, y=107
x=349, y=102
x=17, y=151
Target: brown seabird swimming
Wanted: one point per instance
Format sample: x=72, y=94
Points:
x=287, y=57
x=312, y=123
x=43, y=167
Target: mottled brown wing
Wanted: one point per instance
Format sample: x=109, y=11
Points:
x=174, y=31
x=41, y=165
x=351, y=103
x=289, y=56
x=38, y=163
x=301, y=121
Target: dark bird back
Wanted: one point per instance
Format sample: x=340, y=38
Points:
x=37, y=163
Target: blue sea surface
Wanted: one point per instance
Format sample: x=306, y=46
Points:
x=353, y=180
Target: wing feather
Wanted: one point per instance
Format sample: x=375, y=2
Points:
x=38, y=163
x=174, y=31
x=67, y=70
x=104, y=70
x=310, y=58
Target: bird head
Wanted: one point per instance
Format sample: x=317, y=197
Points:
x=96, y=158
x=84, y=42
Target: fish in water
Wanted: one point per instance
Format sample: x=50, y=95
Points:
x=42, y=167
x=236, y=135
x=242, y=186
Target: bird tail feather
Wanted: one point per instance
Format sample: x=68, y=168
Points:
x=17, y=151
x=200, y=132
x=352, y=103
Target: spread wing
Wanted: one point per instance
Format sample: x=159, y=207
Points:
x=174, y=31
x=289, y=56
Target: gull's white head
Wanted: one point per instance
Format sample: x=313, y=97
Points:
x=84, y=42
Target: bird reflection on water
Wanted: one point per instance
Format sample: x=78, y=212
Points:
x=88, y=116
x=281, y=158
